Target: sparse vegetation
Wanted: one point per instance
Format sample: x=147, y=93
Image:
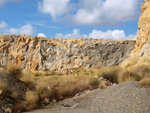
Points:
x=14, y=95
x=145, y=82
x=126, y=75
x=110, y=73
x=94, y=82
x=2, y=85
x=14, y=70
x=52, y=86
x=31, y=100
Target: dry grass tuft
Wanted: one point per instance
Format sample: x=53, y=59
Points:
x=14, y=95
x=127, y=75
x=142, y=70
x=135, y=61
x=130, y=62
x=94, y=82
x=42, y=87
x=30, y=79
x=145, y=82
x=31, y=100
x=135, y=69
x=2, y=85
x=15, y=70
x=110, y=73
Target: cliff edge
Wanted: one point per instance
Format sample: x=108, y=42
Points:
x=141, y=47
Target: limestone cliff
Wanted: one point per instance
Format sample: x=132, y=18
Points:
x=144, y=29
x=37, y=53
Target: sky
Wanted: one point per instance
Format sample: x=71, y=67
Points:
x=108, y=19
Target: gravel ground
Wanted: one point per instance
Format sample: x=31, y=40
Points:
x=62, y=110
x=127, y=97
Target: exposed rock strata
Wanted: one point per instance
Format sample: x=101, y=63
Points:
x=34, y=53
x=144, y=28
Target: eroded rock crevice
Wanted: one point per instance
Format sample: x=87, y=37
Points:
x=37, y=53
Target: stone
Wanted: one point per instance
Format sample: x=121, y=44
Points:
x=37, y=53
x=144, y=28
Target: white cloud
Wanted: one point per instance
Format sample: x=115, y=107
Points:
x=41, y=35
x=42, y=24
x=55, y=8
x=3, y=24
x=4, y=1
x=97, y=34
x=91, y=12
x=115, y=34
x=75, y=34
x=27, y=29
x=102, y=12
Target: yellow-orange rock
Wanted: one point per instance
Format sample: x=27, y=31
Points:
x=144, y=27
x=37, y=53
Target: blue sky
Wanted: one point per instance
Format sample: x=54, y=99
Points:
x=114, y=19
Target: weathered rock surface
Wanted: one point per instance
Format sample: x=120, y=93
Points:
x=36, y=53
x=145, y=51
x=144, y=28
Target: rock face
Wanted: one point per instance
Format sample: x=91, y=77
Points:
x=36, y=53
x=144, y=28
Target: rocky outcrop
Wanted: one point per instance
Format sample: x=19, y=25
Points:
x=145, y=51
x=37, y=53
x=144, y=28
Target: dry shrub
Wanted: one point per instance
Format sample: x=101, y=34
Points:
x=14, y=95
x=31, y=100
x=142, y=70
x=29, y=79
x=145, y=82
x=110, y=73
x=127, y=75
x=71, y=88
x=135, y=69
x=41, y=86
x=135, y=61
x=130, y=62
x=103, y=84
x=15, y=70
x=62, y=87
x=93, y=82
x=45, y=87
x=143, y=60
x=67, y=90
x=46, y=91
x=2, y=85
